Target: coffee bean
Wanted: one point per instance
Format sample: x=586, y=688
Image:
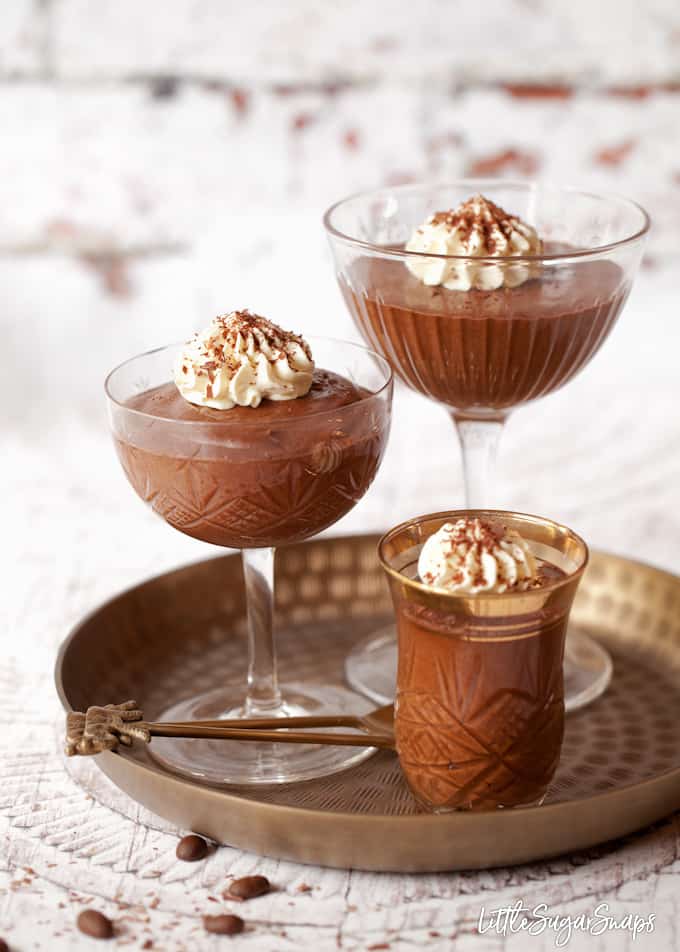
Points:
x=247, y=888
x=192, y=848
x=95, y=924
x=223, y=925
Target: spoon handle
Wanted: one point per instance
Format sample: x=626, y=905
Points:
x=276, y=723
x=198, y=730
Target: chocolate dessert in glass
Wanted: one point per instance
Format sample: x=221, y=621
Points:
x=260, y=440
x=482, y=599
x=484, y=296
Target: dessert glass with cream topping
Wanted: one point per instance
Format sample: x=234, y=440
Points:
x=245, y=437
x=482, y=599
x=484, y=296
x=473, y=556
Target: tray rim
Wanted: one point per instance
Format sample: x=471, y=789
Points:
x=106, y=761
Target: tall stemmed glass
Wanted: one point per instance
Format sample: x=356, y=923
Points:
x=481, y=354
x=254, y=485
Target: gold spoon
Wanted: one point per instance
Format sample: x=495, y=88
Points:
x=104, y=728
x=380, y=720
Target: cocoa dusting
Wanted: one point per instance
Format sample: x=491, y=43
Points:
x=481, y=216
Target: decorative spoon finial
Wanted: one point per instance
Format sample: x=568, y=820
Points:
x=104, y=728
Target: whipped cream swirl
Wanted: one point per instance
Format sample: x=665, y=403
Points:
x=476, y=229
x=241, y=359
x=472, y=556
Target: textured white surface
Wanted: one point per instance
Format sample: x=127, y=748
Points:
x=161, y=163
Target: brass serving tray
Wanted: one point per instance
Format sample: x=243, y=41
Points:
x=163, y=639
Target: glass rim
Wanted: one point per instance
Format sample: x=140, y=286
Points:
x=382, y=363
x=479, y=185
x=500, y=513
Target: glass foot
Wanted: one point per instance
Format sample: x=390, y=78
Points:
x=248, y=762
x=587, y=669
x=371, y=668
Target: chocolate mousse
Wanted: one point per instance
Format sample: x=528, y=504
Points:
x=263, y=470
x=480, y=694
x=478, y=335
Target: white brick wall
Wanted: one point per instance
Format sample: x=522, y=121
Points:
x=23, y=38
x=164, y=161
x=319, y=40
x=113, y=167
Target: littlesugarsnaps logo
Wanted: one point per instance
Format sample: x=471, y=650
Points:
x=507, y=920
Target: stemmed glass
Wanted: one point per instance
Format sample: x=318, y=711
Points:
x=255, y=485
x=481, y=354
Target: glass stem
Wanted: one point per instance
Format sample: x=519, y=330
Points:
x=263, y=695
x=479, y=439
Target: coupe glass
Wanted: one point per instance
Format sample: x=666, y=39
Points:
x=255, y=486
x=481, y=354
